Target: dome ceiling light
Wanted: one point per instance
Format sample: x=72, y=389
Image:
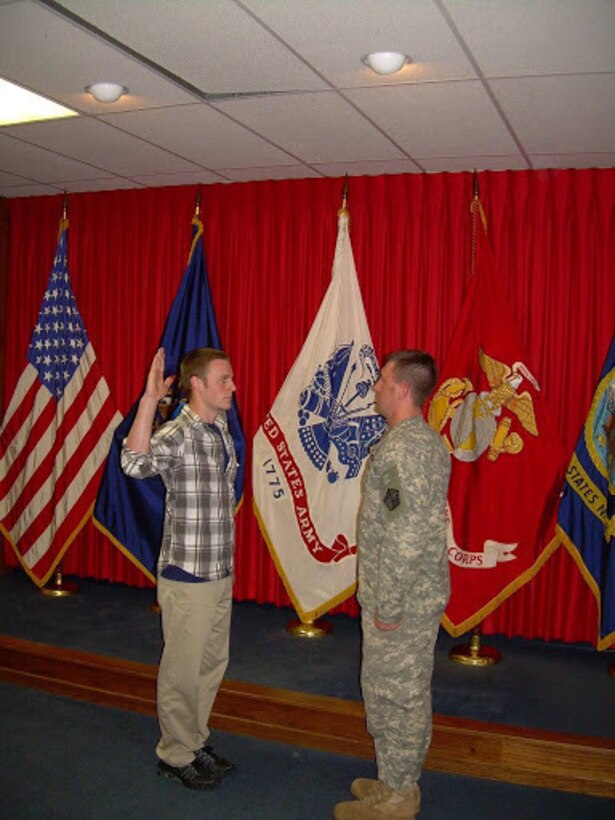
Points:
x=386, y=62
x=106, y=92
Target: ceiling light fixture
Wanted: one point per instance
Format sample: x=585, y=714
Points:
x=386, y=62
x=106, y=92
x=18, y=105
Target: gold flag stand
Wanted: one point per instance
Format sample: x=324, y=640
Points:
x=311, y=629
x=59, y=588
x=474, y=653
x=318, y=628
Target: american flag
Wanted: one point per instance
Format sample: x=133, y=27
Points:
x=56, y=432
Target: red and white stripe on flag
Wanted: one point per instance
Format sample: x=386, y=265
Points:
x=310, y=451
x=55, y=433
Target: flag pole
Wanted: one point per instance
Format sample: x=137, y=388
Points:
x=312, y=629
x=318, y=628
x=344, y=208
x=474, y=208
x=155, y=606
x=59, y=587
x=474, y=653
x=4, y=266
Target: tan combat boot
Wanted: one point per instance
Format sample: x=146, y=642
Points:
x=381, y=804
x=364, y=787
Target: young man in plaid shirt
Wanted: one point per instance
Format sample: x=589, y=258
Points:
x=195, y=457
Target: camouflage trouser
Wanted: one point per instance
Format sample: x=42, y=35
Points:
x=396, y=684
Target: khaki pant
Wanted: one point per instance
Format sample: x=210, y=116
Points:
x=196, y=621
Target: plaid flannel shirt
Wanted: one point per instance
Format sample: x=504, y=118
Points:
x=199, y=526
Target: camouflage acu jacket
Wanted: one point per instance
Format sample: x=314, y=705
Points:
x=403, y=566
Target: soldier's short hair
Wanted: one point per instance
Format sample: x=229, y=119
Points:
x=196, y=363
x=417, y=369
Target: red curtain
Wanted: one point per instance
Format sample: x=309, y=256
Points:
x=269, y=249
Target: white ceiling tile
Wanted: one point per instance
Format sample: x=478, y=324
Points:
x=319, y=127
x=189, y=178
x=214, y=45
x=435, y=115
x=38, y=164
x=561, y=114
x=105, y=184
x=6, y=178
x=33, y=189
x=512, y=38
x=479, y=163
x=57, y=58
x=273, y=172
x=101, y=145
x=201, y=134
x=437, y=119
x=335, y=36
x=588, y=160
x=396, y=166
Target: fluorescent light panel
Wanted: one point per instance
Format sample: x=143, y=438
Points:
x=17, y=105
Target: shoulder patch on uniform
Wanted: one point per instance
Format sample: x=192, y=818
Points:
x=394, y=497
x=391, y=499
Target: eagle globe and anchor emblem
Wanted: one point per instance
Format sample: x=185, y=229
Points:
x=474, y=423
x=334, y=412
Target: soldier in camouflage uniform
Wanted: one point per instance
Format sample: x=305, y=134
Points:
x=403, y=587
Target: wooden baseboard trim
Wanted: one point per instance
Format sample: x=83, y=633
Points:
x=471, y=748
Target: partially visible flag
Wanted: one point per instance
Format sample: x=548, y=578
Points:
x=507, y=460
x=586, y=520
x=310, y=451
x=129, y=512
x=55, y=433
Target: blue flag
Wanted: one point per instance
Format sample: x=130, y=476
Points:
x=586, y=520
x=129, y=512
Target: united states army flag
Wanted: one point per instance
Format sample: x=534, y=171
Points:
x=311, y=448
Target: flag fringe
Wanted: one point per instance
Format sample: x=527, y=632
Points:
x=459, y=629
x=126, y=552
x=607, y=641
x=40, y=582
x=305, y=616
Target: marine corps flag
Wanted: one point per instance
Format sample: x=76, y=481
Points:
x=310, y=450
x=586, y=520
x=507, y=461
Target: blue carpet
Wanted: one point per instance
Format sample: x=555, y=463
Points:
x=66, y=760
x=552, y=686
